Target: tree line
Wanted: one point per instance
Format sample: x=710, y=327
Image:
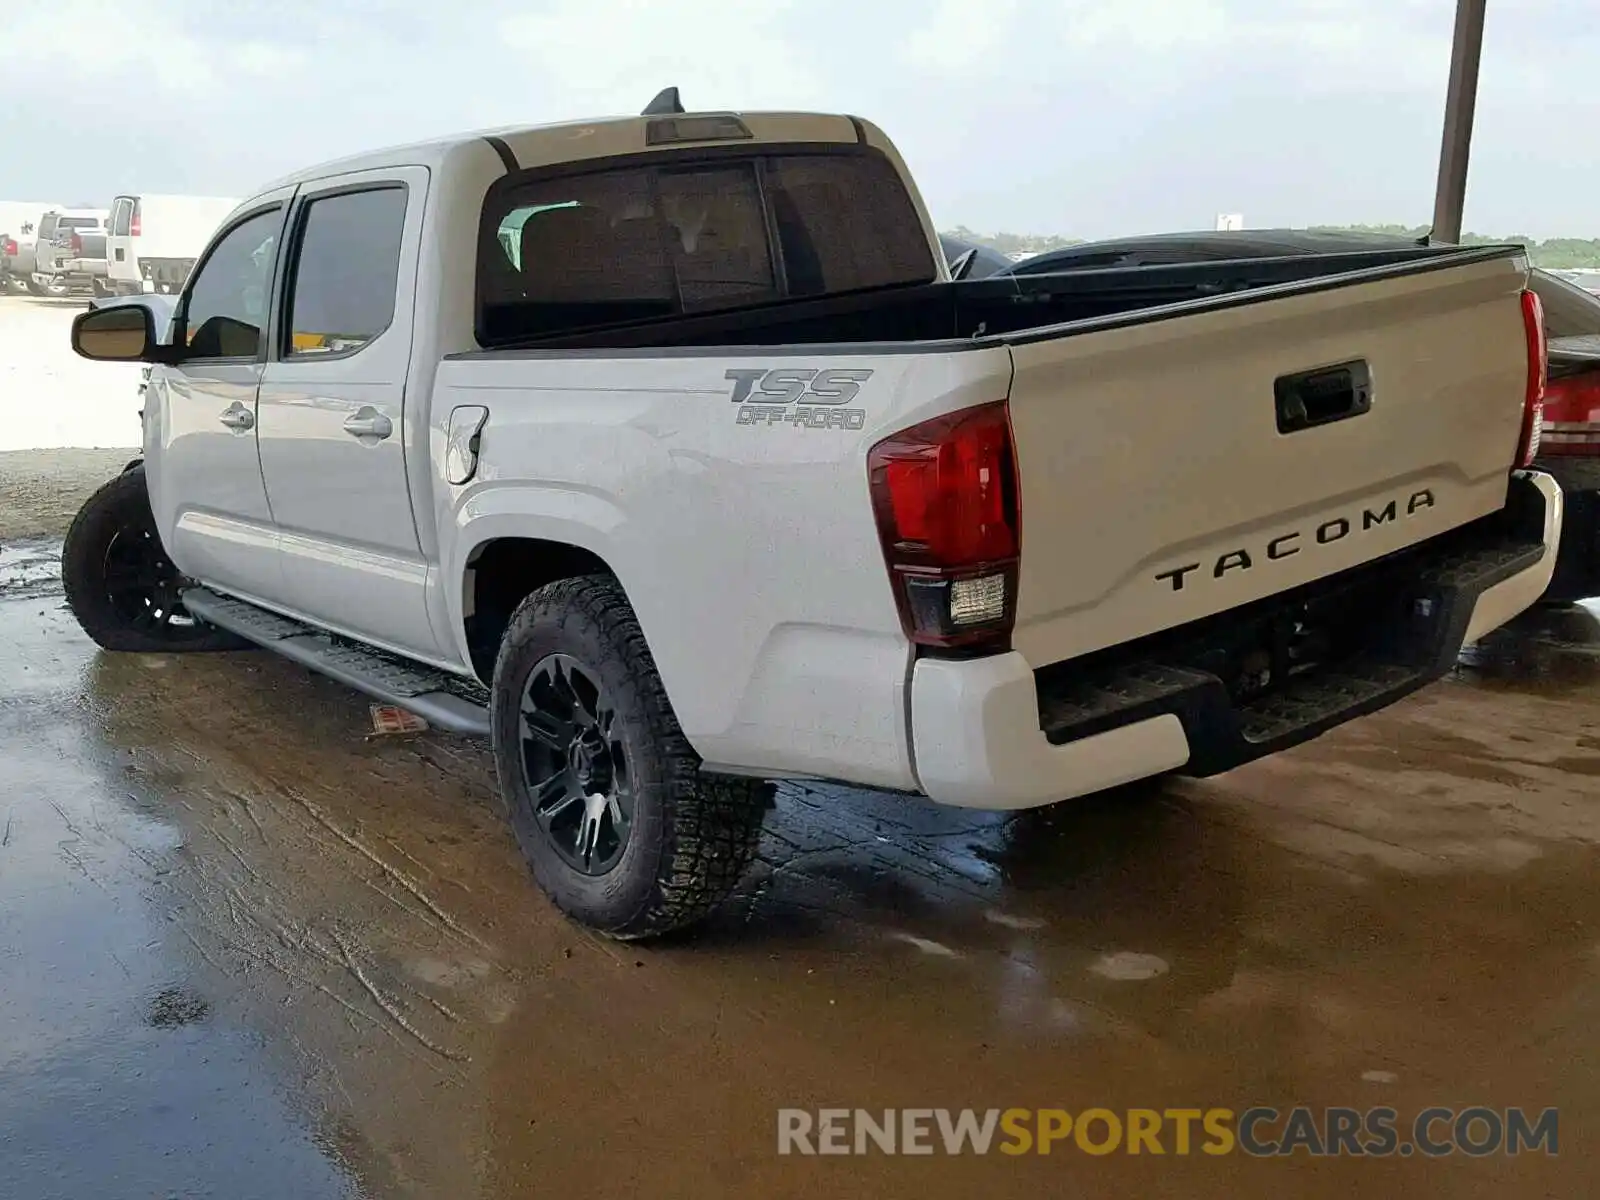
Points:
x=1555, y=254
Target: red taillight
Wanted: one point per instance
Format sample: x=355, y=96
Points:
x=945, y=494
x=1572, y=417
x=1538, y=375
x=9, y=247
x=133, y=222
x=77, y=243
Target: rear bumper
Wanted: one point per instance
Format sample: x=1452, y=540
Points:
x=1577, y=567
x=995, y=733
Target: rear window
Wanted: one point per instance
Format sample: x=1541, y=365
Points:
x=122, y=217
x=78, y=223
x=629, y=243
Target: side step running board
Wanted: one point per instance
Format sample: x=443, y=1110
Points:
x=443, y=700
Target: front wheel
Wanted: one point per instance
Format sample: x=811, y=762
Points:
x=120, y=585
x=618, y=824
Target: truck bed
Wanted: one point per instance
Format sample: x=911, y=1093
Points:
x=992, y=308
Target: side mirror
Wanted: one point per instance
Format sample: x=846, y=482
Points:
x=124, y=333
x=963, y=264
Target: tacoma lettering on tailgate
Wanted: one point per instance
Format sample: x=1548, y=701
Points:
x=1290, y=543
x=800, y=397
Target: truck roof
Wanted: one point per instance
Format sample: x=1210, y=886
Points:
x=171, y=196
x=535, y=146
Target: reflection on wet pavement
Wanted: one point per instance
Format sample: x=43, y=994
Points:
x=117, y=1080
x=1551, y=650
x=250, y=949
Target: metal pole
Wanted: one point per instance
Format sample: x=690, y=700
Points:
x=1459, y=107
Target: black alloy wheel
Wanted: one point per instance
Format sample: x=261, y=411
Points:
x=620, y=825
x=121, y=586
x=575, y=765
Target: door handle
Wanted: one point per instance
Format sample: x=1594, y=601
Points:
x=1323, y=396
x=368, y=422
x=237, y=417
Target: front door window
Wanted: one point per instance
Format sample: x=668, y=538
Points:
x=225, y=311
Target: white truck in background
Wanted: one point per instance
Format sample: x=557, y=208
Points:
x=19, y=230
x=70, y=251
x=665, y=453
x=154, y=240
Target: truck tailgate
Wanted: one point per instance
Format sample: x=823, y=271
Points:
x=1176, y=468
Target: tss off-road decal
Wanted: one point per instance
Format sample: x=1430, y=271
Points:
x=801, y=397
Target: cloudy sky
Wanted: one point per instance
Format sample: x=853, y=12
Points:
x=1082, y=117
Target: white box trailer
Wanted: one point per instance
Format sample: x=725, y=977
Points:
x=155, y=240
x=20, y=218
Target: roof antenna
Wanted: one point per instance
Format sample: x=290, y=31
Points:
x=666, y=101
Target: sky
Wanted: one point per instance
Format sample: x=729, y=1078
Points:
x=1086, y=118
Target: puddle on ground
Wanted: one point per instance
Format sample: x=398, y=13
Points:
x=29, y=569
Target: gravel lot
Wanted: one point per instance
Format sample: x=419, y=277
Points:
x=41, y=490
x=68, y=424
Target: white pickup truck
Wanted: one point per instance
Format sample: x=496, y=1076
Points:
x=664, y=452
x=70, y=251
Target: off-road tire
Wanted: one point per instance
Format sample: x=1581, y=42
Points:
x=121, y=509
x=692, y=834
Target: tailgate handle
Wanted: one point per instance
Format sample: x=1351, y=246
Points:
x=1323, y=396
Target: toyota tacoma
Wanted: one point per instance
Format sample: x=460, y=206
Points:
x=665, y=453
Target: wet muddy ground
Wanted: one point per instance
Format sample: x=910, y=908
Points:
x=247, y=949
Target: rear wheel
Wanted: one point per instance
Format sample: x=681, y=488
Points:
x=618, y=824
x=120, y=585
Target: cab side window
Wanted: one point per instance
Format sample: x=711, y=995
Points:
x=225, y=310
x=346, y=268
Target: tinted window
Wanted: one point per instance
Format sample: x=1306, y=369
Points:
x=628, y=243
x=510, y=231
x=78, y=223
x=122, y=218
x=716, y=237
x=226, y=306
x=345, y=272
x=846, y=223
